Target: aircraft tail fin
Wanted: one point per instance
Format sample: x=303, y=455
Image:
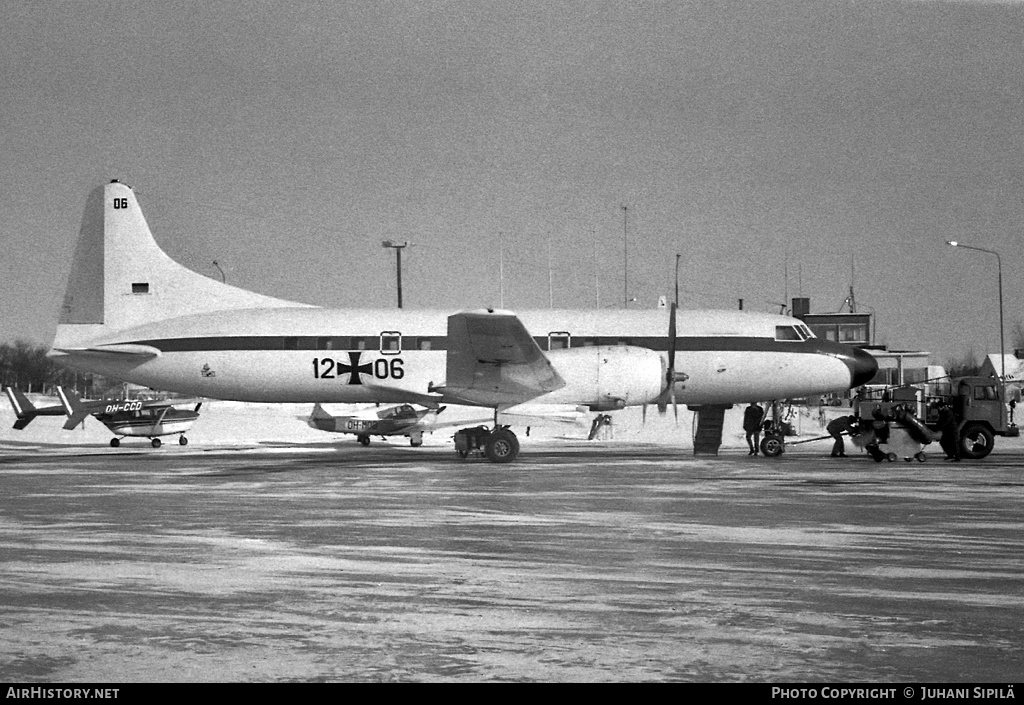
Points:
x=74, y=407
x=24, y=410
x=121, y=278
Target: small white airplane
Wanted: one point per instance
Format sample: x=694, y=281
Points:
x=124, y=417
x=401, y=420
x=134, y=314
x=149, y=418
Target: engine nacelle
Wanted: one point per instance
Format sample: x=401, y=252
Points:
x=608, y=377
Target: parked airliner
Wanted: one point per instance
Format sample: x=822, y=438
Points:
x=134, y=314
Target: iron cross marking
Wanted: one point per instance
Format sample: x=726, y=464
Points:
x=354, y=368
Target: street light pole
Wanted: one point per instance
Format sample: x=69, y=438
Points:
x=397, y=247
x=999, y=269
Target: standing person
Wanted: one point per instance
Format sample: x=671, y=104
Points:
x=949, y=442
x=836, y=428
x=752, y=416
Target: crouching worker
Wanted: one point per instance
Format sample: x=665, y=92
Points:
x=879, y=433
x=849, y=425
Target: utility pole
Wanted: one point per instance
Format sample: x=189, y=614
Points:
x=397, y=247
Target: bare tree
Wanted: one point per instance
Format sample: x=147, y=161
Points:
x=966, y=365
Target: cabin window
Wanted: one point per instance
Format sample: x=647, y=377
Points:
x=358, y=344
x=391, y=342
x=291, y=343
x=589, y=342
x=424, y=343
x=624, y=341
x=324, y=343
x=786, y=333
x=140, y=287
x=985, y=392
x=558, y=341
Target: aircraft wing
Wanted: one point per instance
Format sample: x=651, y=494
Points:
x=493, y=361
x=119, y=351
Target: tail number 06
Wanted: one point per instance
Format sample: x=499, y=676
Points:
x=384, y=368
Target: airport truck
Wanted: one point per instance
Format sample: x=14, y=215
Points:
x=981, y=410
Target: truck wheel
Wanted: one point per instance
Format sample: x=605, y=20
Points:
x=501, y=446
x=772, y=446
x=976, y=441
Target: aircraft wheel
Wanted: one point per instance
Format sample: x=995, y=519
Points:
x=772, y=446
x=921, y=457
x=891, y=457
x=502, y=446
x=414, y=443
x=976, y=441
x=115, y=442
x=463, y=453
x=182, y=441
x=365, y=440
x=156, y=442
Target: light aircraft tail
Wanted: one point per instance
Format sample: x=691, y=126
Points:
x=24, y=410
x=120, y=278
x=74, y=407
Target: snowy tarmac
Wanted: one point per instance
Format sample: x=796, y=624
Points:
x=580, y=562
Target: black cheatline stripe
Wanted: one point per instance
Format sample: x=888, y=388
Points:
x=276, y=342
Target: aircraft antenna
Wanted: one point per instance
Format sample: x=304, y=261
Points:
x=501, y=270
x=551, y=284
x=625, y=259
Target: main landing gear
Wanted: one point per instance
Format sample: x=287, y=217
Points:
x=500, y=445
x=155, y=442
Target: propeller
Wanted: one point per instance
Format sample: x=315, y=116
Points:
x=671, y=376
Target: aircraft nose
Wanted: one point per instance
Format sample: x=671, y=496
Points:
x=863, y=367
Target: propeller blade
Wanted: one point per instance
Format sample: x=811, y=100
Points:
x=671, y=342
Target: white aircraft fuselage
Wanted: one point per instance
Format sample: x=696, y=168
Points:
x=134, y=314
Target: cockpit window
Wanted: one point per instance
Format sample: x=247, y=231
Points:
x=787, y=333
x=805, y=331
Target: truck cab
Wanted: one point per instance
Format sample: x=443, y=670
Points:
x=979, y=406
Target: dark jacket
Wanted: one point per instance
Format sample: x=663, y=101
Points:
x=752, y=419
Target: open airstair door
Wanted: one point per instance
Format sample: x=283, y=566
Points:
x=710, y=419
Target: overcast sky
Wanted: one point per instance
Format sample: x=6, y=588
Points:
x=782, y=148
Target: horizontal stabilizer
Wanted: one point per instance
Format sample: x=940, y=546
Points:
x=118, y=351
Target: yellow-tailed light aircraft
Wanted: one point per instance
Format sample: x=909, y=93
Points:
x=132, y=313
x=401, y=420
